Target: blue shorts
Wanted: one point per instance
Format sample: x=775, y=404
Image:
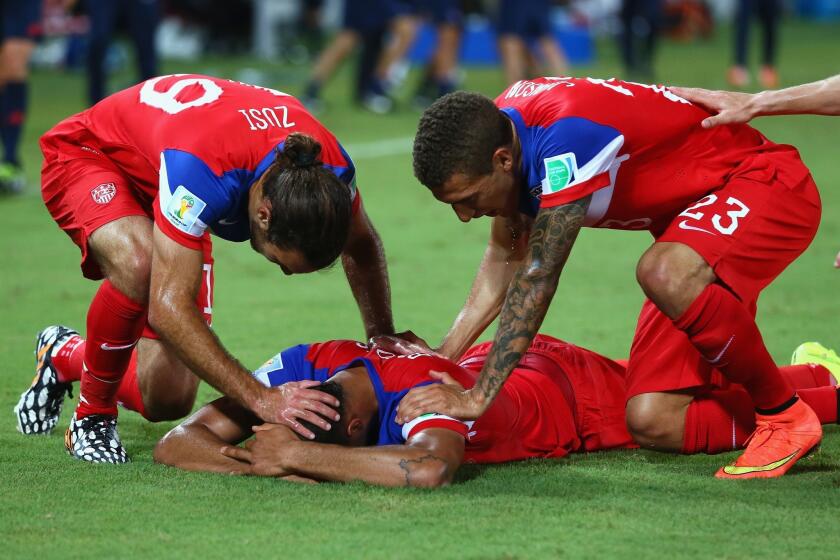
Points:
x=368, y=15
x=528, y=19
x=20, y=19
x=438, y=11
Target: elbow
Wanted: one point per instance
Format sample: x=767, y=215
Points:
x=166, y=450
x=434, y=475
x=159, y=315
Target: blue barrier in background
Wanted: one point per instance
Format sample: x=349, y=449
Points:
x=478, y=44
x=819, y=9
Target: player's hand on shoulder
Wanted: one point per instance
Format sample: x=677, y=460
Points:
x=448, y=398
x=295, y=401
x=403, y=343
x=731, y=107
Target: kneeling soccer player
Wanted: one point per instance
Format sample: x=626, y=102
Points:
x=560, y=399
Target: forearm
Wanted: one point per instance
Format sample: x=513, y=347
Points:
x=820, y=98
x=183, y=329
x=504, y=256
x=530, y=294
x=196, y=448
x=393, y=465
x=367, y=273
x=482, y=306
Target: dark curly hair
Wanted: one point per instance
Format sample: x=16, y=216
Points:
x=458, y=134
x=311, y=208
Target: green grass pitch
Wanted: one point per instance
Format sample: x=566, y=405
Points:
x=628, y=504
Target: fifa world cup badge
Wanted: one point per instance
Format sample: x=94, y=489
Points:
x=559, y=172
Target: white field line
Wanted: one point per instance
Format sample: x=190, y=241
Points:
x=380, y=148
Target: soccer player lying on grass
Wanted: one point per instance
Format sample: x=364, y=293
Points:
x=560, y=399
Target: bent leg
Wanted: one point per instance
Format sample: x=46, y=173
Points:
x=657, y=420
x=167, y=386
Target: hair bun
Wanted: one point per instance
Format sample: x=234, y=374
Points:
x=299, y=151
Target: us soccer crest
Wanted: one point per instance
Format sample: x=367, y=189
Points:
x=560, y=171
x=104, y=193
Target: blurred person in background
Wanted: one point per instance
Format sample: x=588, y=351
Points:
x=769, y=13
x=641, y=24
x=521, y=26
x=19, y=26
x=142, y=16
x=365, y=24
x=439, y=75
x=815, y=98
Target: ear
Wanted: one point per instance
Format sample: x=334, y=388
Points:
x=355, y=429
x=264, y=214
x=503, y=158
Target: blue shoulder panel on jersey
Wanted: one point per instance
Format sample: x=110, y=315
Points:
x=290, y=365
x=569, y=135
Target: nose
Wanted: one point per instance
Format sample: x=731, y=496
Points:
x=464, y=214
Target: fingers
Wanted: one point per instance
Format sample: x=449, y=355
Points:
x=415, y=403
x=317, y=407
x=238, y=453
x=837, y=261
x=725, y=117
x=311, y=400
x=310, y=417
x=298, y=428
x=266, y=427
x=306, y=384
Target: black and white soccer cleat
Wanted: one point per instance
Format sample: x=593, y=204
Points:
x=95, y=439
x=39, y=407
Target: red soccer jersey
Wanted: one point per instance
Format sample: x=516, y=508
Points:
x=529, y=418
x=638, y=149
x=195, y=145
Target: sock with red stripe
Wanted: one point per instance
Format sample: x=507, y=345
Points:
x=726, y=335
x=718, y=421
x=114, y=325
x=807, y=376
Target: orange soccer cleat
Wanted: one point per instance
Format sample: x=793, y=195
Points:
x=779, y=441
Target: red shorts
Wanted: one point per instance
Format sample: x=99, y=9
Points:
x=593, y=385
x=749, y=232
x=83, y=190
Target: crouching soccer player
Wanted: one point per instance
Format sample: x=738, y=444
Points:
x=138, y=182
x=561, y=399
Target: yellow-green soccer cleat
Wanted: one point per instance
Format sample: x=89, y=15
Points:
x=816, y=353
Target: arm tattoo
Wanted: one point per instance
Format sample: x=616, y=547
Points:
x=531, y=290
x=410, y=465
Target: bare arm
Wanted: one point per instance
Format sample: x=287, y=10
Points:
x=429, y=459
x=364, y=264
x=176, y=274
x=817, y=98
x=528, y=297
x=503, y=257
x=194, y=445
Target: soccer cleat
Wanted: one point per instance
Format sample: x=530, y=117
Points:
x=779, y=440
x=95, y=439
x=39, y=407
x=816, y=353
x=12, y=178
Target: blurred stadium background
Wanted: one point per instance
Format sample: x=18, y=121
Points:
x=629, y=504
